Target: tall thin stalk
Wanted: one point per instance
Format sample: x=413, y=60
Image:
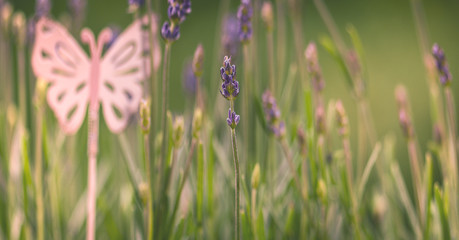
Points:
x=236, y=177
x=451, y=121
x=246, y=101
x=270, y=46
x=415, y=174
x=145, y=124
x=149, y=198
x=452, y=154
x=280, y=38
x=436, y=106
x=165, y=91
x=40, y=96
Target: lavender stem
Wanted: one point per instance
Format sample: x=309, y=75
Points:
x=236, y=182
x=39, y=162
x=164, y=106
x=150, y=225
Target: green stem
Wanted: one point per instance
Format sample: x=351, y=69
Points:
x=280, y=37
x=149, y=198
x=39, y=173
x=270, y=49
x=200, y=186
x=246, y=102
x=348, y=157
x=236, y=182
x=415, y=174
x=164, y=107
x=452, y=149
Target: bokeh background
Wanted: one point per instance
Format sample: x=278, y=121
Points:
x=386, y=28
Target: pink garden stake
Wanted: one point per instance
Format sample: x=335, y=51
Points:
x=76, y=81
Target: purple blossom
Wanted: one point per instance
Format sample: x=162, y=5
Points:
x=244, y=15
x=137, y=3
x=189, y=79
x=272, y=115
x=31, y=31
x=313, y=67
x=170, y=33
x=116, y=31
x=42, y=8
x=230, y=37
x=77, y=9
x=230, y=87
x=442, y=65
x=233, y=119
x=177, y=12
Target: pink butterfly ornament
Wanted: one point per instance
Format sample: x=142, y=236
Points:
x=77, y=81
x=113, y=80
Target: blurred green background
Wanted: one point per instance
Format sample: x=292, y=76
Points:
x=386, y=28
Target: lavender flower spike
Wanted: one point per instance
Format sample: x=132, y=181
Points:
x=442, y=65
x=313, y=67
x=230, y=38
x=177, y=12
x=233, y=119
x=244, y=15
x=42, y=8
x=77, y=7
x=272, y=115
x=230, y=87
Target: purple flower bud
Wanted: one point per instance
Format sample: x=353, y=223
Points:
x=189, y=79
x=230, y=87
x=137, y=3
x=30, y=31
x=178, y=10
x=442, y=65
x=313, y=67
x=77, y=7
x=115, y=33
x=198, y=60
x=230, y=36
x=42, y=8
x=174, y=13
x=233, y=119
x=244, y=15
x=403, y=116
x=170, y=33
x=342, y=119
x=272, y=115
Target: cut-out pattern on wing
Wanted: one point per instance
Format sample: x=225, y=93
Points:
x=58, y=59
x=123, y=68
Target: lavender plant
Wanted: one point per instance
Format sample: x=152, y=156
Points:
x=230, y=90
x=244, y=16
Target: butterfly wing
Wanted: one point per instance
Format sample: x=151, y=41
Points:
x=122, y=70
x=58, y=59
